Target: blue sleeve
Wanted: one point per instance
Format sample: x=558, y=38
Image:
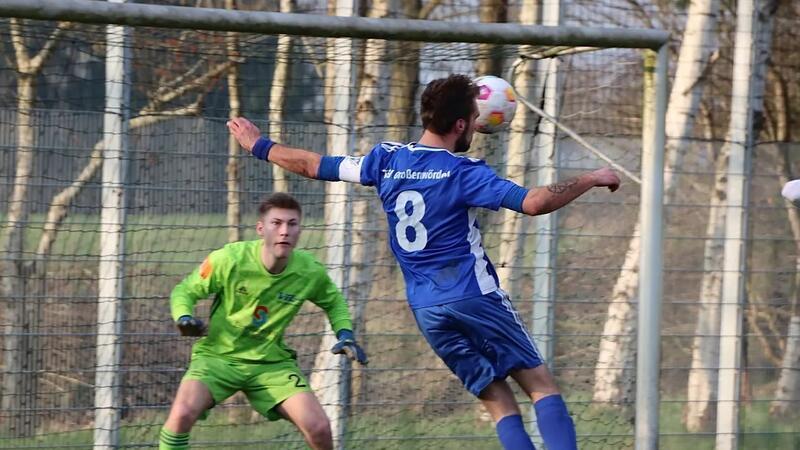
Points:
x=481, y=187
x=371, y=166
x=514, y=198
x=329, y=168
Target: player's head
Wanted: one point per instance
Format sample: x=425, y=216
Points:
x=279, y=223
x=448, y=106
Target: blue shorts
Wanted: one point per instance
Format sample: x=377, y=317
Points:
x=481, y=339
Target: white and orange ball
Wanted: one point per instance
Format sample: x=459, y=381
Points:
x=496, y=104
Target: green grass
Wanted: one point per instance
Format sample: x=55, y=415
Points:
x=598, y=428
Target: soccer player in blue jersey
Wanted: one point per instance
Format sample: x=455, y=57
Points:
x=430, y=195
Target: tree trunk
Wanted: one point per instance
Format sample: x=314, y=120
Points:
x=702, y=384
x=787, y=391
x=613, y=371
x=11, y=241
x=234, y=213
x=750, y=54
x=277, y=97
x=402, y=92
x=519, y=143
x=331, y=377
x=489, y=63
x=18, y=393
x=365, y=216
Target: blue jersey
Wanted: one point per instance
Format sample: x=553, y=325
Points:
x=430, y=197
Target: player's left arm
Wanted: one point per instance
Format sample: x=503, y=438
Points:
x=546, y=199
x=331, y=300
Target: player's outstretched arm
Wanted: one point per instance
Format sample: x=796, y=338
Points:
x=546, y=199
x=295, y=160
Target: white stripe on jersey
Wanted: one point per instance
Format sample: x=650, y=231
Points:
x=485, y=281
x=350, y=169
x=390, y=146
x=507, y=303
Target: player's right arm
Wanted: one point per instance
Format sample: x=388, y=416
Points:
x=204, y=280
x=302, y=162
x=295, y=160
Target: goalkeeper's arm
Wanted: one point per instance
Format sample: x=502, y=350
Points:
x=203, y=281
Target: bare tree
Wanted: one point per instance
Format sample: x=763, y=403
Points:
x=277, y=96
x=520, y=142
x=234, y=215
x=787, y=391
x=11, y=236
x=613, y=377
x=370, y=114
x=153, y=112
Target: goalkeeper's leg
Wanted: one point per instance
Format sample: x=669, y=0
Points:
x=191, y=401
x=305, y=412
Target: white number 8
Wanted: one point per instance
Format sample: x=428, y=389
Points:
x=410, y=221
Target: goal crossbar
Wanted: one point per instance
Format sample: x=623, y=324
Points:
x=214, y=19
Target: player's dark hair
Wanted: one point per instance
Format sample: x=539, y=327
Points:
x=446, y=100
x=278, y=200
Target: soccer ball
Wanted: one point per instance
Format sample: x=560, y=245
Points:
x=496, y=104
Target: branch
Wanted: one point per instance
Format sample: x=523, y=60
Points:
x=59, y=207
x=641, y=13
x=317, y=61
x=38, y=60
x=167, y=85
x=23, y=60
x=197, y=83
x=752, y=318
x=426, y=10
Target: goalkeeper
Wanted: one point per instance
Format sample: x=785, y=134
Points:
x=258, y=287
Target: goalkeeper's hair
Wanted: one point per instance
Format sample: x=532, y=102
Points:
x=445, y=100
x=278, y=200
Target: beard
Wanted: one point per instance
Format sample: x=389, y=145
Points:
x=462, y=144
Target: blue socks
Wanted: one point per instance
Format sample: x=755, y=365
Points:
x=512, y=434
x=555, y=424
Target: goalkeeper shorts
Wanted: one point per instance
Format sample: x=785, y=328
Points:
x=481, y=339
x=266, y=385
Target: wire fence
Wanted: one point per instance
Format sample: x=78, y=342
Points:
x=177, y=200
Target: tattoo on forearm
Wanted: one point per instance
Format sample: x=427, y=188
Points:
x=561, y=187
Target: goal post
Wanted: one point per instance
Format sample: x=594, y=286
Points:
x=654, y=96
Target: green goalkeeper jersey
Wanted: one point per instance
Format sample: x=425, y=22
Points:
x=253, y=307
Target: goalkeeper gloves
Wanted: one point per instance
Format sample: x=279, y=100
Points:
x=347, y=346
x=189, y=326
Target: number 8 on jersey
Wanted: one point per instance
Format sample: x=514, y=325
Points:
x=412, y=220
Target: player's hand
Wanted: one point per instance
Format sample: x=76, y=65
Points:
x=189, y=326
x=347, y=346
x=606, y=177
x=791, y=192
x=245, y=132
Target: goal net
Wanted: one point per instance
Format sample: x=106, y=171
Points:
x=187, y=190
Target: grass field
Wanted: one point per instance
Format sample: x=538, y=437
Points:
x=598, y=429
